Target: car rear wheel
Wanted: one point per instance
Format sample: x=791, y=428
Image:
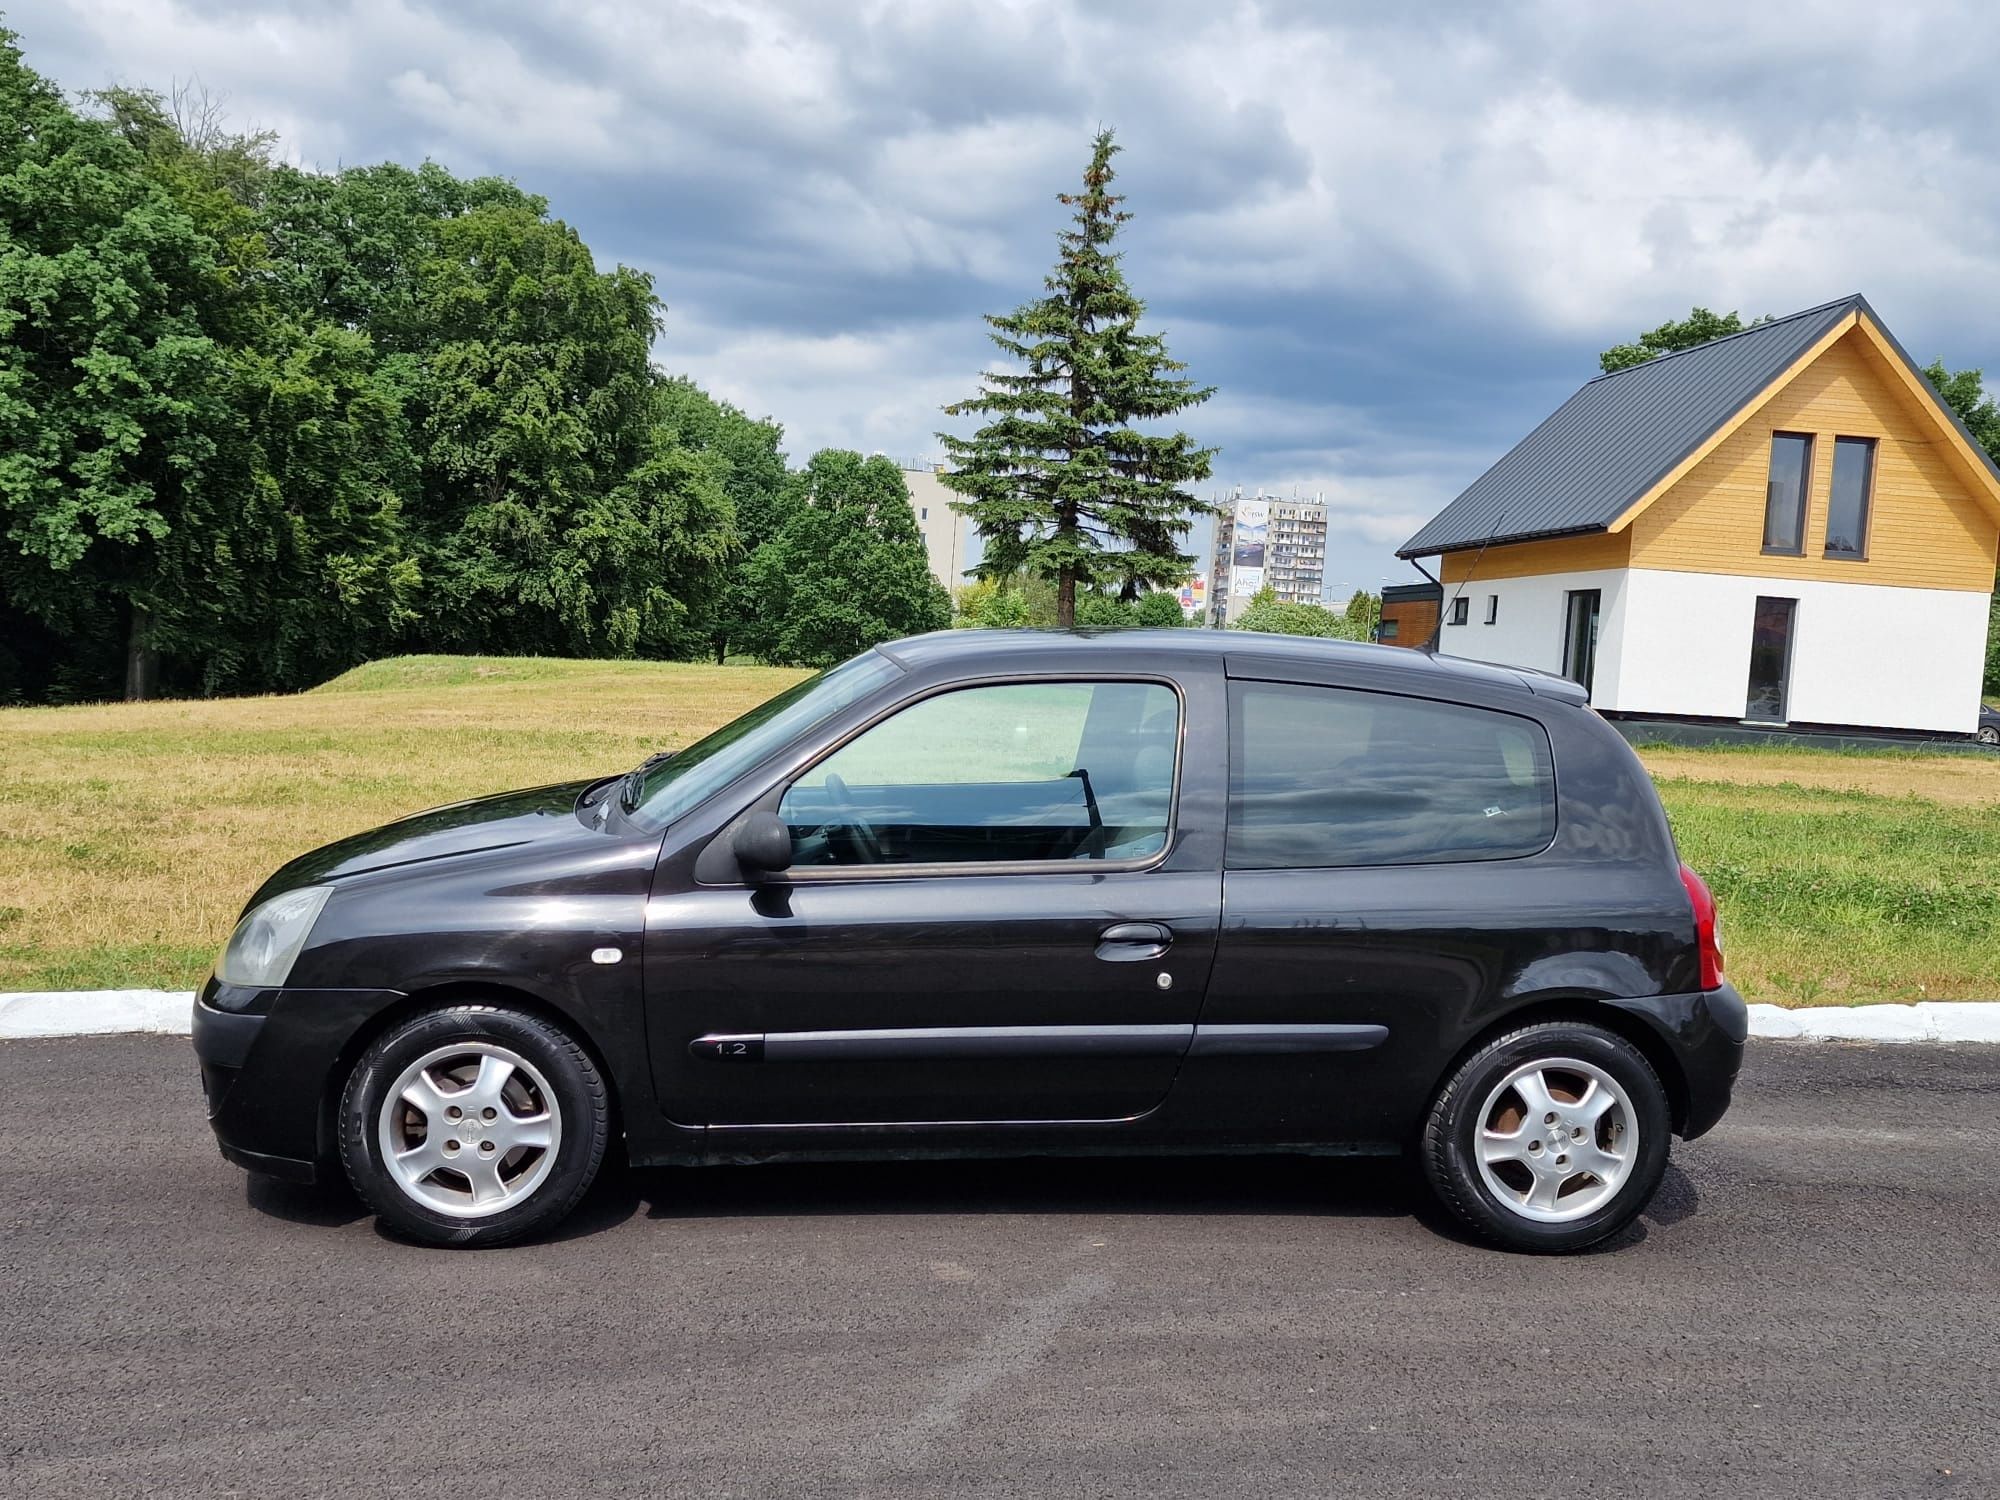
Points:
x=473, y=1125
x=1549, y=1138
x=1988, y=735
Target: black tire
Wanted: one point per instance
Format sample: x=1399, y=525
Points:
x=581, y=1105
x=1449, y=1143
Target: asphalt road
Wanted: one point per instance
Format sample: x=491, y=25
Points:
x=1812, y=1308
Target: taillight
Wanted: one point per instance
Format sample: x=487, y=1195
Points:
x=1707, y=928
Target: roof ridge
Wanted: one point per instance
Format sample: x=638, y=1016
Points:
x=1851, y=301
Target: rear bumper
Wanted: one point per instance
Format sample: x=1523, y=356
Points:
x=267, y=1059
x=1705, y=1035
x=1705, y=1032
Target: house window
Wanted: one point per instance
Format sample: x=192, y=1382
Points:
x=1492, y=609
x=1389, y=630
x=924, y=514
x=1847, y=508
x=1785, y=493
x=1461, y=611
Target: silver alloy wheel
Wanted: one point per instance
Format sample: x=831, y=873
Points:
x=470, y=1129
x=1557, y=1139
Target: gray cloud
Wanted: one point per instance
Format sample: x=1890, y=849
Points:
x=1393, y=236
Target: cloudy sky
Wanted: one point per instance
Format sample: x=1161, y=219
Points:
x=1393, y=237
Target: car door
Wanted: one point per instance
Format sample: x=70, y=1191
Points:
x=994, y=913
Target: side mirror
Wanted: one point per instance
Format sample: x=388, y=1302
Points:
x=762, y=844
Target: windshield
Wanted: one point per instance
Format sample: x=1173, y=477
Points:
x=673, y=787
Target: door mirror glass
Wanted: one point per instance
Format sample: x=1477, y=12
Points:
x=762, y=844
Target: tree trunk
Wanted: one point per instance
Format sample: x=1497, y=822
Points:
x=141, y=666
x=1066, y=599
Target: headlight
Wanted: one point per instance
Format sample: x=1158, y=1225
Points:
x=267, y=941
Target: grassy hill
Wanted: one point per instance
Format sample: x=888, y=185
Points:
x=130, y=834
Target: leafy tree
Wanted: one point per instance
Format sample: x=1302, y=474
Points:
x=845, y=569
x=1267, y=612
x=112, y=391
x=257, y=423
x=289, y=562
x=984, y=605
x=1698, y=327
x=755, y=482
x=1059, y=480
x=1159, y=608
x=558, y=505
x=1964, y=391
x=1365, y=611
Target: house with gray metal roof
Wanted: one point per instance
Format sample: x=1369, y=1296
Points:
x=1786, y=525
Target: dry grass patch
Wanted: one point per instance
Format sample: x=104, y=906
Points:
x=130, y=834
x=1968, y=780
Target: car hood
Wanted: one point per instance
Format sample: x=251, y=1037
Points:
x=508, y=820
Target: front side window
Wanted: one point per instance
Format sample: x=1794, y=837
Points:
x=1013, y=772
x=1847, y=507
x=1329, y=777
x=1785, y=492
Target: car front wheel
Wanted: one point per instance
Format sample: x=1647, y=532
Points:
x=473, y=1125
x=1549, y=1138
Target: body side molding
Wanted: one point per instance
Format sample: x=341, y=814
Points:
x=988, y=1042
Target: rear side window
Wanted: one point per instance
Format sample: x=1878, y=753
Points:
x=1331, y=776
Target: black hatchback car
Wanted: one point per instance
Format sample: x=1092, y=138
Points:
x=1010, y=893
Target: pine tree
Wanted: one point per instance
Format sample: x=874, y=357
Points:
x=1058, y=481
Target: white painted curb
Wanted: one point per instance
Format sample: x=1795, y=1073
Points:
x=1927, y=1021
x=169, y=1013
x=96, y=1012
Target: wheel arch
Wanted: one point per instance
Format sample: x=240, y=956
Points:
x=1588, y=1010
x=441, y=997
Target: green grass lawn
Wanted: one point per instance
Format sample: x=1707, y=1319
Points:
x=130, y=835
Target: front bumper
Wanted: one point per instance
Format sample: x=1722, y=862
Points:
x=267, y=1059
x=1705, y=1032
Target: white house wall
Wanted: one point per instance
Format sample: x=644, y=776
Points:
x=1532, y=618
x=1862, y=654
x=1679, y=643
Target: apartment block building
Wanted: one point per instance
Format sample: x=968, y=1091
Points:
x=949, y=540
x=1262, y=540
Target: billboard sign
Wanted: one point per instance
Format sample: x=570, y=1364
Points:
x=1246, y=554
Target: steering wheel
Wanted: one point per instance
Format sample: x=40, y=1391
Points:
x=858, y=828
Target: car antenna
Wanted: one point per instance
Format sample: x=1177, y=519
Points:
x=1430, y=647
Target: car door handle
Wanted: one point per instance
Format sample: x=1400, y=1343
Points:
x=1133, y=942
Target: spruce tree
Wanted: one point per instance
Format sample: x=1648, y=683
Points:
x=1058, y=480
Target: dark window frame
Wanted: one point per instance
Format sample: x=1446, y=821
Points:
x=1798, y=547
x=1859, y=553
x=1492, y=609
x=1461, y=611
x=1540, y=743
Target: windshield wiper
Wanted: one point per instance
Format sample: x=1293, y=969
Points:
x=631, y=782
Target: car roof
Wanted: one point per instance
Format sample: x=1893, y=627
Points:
x=959, y=647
